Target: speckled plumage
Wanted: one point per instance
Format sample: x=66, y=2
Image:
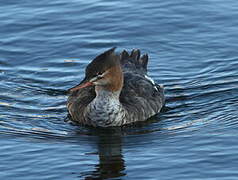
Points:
x=139, y=99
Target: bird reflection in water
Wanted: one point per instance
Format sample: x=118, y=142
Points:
x=111, y=163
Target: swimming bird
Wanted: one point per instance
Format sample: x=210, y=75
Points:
x=116, y=91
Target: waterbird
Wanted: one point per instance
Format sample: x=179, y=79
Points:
x=116, y=91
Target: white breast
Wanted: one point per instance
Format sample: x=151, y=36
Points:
x=105, y=110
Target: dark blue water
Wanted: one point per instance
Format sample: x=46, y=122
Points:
x=193, y=48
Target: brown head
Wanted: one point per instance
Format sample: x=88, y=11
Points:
x=104, y=72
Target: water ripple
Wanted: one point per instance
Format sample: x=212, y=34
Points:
x=45, y=47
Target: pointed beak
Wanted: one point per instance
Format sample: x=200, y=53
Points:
x=81, y=85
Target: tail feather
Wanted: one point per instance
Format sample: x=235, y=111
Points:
x=124, y=56
x=134, y=58
x=135, y=54
x=144, y=60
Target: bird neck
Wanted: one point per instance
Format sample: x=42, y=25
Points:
x=102, y=95
x=110, y=92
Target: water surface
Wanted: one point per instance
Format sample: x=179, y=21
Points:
x=44, y=48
